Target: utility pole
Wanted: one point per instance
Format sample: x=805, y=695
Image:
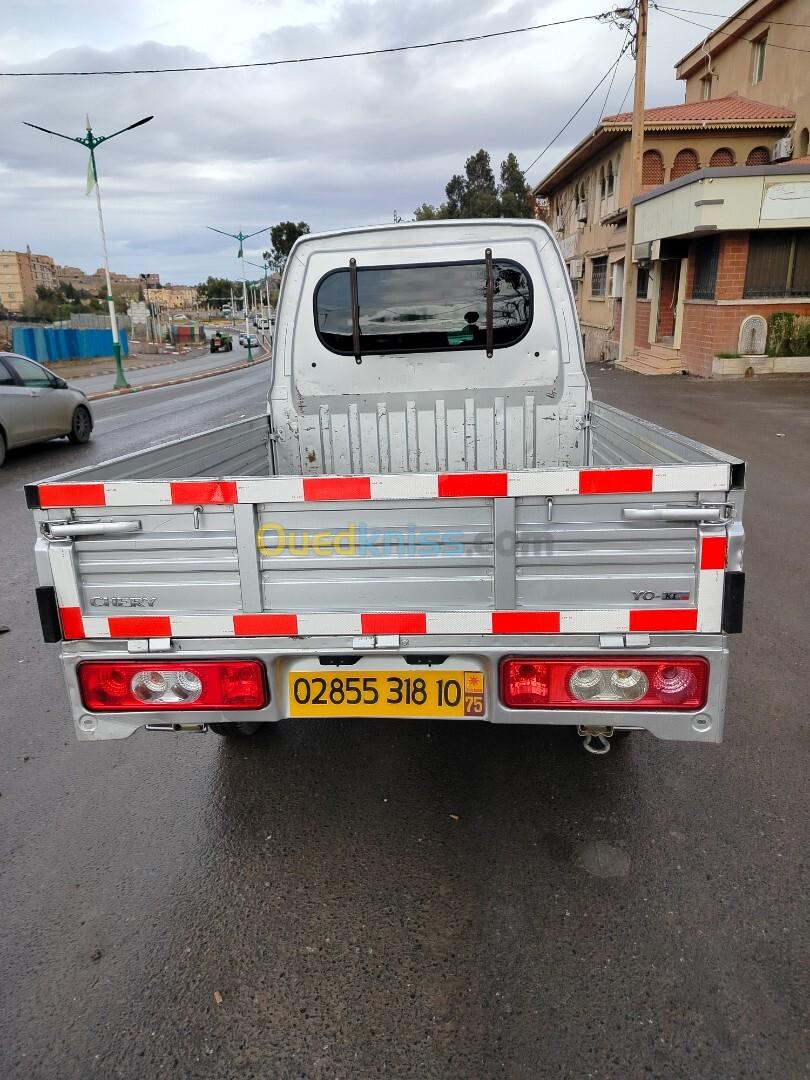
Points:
x=91, y=141
x=627, y=332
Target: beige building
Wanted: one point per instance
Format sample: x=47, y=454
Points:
x=588, y=191
x=174, y=297
x=762, y=52
x=21, y=274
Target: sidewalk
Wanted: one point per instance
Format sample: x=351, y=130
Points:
x=146, y=372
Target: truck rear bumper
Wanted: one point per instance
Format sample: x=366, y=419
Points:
x=280, y=654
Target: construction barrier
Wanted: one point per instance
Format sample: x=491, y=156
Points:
x=49, y=344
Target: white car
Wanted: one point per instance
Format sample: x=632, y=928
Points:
x=35, y=404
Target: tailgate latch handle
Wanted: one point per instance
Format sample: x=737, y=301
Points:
x=66, y=530
x=676, y=513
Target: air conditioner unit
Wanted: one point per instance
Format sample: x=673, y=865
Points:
x=576, y=269
x=559, y=223
x=582, y=212
x=782, y=150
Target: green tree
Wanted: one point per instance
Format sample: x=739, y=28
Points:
x=476, y=195
x=282, y=238
x=480, y=194
x=217, y=291
x=515, y=194
x=428, y=212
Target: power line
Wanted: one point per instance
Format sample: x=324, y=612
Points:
x=579, y=109
x=627, y=91
x=726, y=33
x=737, y=18
x=612, y=79
x=313, y=59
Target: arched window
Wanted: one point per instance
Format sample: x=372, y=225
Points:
x=652, y=168
x=686, y=161
x=804, y=142
x=759, y=156
x=722, y=158
x=610, y=179
x=602, y=183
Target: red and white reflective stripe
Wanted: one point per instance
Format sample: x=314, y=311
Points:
x=406, y=623
x=296, y=489
x=711, y=581
x=706, y=617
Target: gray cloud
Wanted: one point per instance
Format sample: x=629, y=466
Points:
x=337, y=143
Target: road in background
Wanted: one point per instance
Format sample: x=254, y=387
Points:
x=174, y=368
x=422, y=899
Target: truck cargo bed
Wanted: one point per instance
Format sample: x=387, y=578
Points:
x=214, y=545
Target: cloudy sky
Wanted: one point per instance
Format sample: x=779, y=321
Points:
x=342, y=142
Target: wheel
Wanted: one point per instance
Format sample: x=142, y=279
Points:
x=2, y=449
x=81, y=426
x=240, y=730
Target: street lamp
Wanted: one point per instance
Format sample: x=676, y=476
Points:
x=264, y=266
x=241, y=237
x=91, y=141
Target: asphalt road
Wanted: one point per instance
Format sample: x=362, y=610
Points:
x=372, y=899
x=173, y=369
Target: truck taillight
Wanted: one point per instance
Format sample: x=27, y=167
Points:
x=134, y=686
x=631, y=682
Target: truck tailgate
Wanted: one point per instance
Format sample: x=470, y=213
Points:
x=602, y=550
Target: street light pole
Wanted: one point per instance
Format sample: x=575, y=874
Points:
x=241, y=237
x=91, y=141
x=265, y=266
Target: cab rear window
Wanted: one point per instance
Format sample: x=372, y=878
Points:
x=424, y=308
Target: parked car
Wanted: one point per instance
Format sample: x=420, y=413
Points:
x=35, y=404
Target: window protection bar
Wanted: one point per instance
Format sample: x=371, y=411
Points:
x=490, y=291
x=358, y=359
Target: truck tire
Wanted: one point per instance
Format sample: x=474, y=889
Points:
x=81, y=426
x=239, y=730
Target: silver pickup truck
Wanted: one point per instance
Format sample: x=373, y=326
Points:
x=431, y=518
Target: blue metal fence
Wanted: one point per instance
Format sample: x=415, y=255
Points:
x=50, y=343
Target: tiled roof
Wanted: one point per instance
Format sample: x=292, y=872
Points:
x=731, y=109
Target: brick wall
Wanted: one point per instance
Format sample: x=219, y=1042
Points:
x=642, y=325
x=710, y=328
x=731, y=267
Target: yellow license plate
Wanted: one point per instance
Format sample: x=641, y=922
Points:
x=414, y=693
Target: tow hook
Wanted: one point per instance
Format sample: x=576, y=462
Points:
x=596, y=740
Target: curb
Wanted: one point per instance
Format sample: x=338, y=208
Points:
x=166, y=358
x=177, y=382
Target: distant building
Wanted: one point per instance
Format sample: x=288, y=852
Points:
x=127, y=288
x=175, y=297
x=761, y=52
x=21, y=274
x=588, y=193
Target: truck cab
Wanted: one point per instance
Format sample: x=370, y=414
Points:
x=440, y=346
